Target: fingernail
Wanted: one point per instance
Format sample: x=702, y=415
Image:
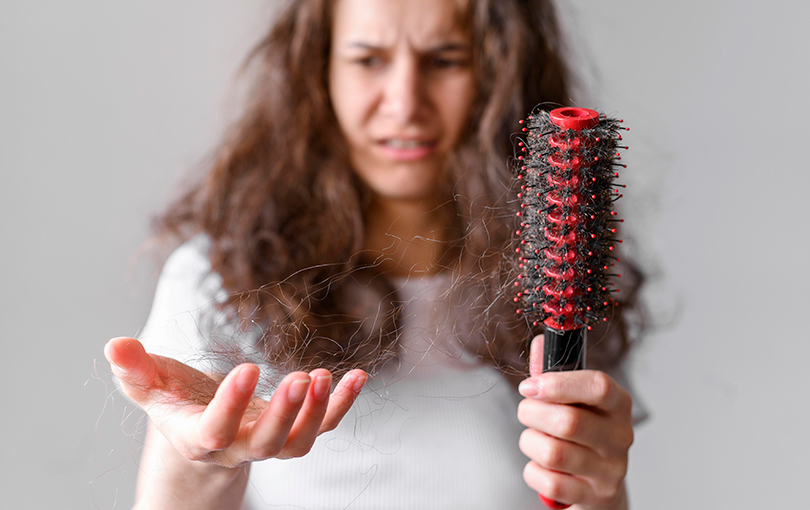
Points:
x=244, y=380
x=118, y=370
x=115, y=368
x=358, y=384
x=527, y=388
x=321, y=387
x=298, y=390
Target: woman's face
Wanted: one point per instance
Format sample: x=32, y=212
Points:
x=402, y=86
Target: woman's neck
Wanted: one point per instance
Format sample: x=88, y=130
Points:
x=405, y=236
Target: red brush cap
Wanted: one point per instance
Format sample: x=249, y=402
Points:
x=574, y=118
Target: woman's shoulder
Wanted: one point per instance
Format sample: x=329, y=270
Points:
x=189, y=260
x=187, y=280
x=184, y=302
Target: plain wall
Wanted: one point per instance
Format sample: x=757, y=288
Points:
x=105, y=106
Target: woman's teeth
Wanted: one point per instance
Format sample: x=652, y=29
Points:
x=405, y=144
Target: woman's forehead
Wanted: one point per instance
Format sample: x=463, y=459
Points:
x=423, y=24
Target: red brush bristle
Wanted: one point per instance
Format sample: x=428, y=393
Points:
x=565, y=239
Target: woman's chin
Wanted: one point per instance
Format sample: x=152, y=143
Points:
x=408, y=186
x=406, y=195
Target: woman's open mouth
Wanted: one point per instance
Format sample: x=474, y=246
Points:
x=405, y=149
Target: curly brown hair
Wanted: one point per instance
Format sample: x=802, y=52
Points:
x=285, y=213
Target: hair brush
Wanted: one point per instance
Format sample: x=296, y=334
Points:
x=567, y=163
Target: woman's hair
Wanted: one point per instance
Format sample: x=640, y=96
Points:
x=285, y=213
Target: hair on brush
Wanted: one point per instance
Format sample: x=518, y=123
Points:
x=566, y=168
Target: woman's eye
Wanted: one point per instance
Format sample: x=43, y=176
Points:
x=447, y=63
x=370, y=61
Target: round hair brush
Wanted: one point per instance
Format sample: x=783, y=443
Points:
x=566, y=167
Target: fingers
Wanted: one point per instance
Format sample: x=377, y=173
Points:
x=144, y=375
x=536, y=356
x=584, y=387
x=216, y=429
x=342, y=399
x=308, y=423
x=219, y=423
x=580, y=430
x=299, y=411
x=271, y=430
x=575, y=424
x=134, y=368
x=567, y=489
x=559, y=487
x=558, y=455
x=128, y=358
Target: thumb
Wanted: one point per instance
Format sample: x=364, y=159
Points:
x=536, y=356
x=133, y=366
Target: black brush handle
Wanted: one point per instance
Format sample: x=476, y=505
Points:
x=564, y=350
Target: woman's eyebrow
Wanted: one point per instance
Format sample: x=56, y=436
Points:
x=449, y=47
x=445, y=47
x=363, y=46
x=453, y=46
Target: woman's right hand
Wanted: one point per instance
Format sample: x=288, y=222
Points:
x=221, y=422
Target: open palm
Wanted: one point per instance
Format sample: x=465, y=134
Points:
x=220, y=421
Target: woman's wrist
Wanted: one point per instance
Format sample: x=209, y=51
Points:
x=170, y=480
x=195, y=486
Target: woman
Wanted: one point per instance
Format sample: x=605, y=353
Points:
x=368, y=177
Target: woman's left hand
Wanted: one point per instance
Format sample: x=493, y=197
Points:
x=579, y=431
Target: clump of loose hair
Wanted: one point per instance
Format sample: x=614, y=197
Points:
x=285, y=214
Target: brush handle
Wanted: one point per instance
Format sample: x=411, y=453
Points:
x=564, y=350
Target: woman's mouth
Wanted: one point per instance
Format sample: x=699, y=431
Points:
x=407, y=149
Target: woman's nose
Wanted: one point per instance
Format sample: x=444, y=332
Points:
x=404, y=94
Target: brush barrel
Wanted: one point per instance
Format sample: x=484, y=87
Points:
x=565, y=350
x=565, y=169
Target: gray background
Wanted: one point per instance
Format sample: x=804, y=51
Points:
x=105, y=106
